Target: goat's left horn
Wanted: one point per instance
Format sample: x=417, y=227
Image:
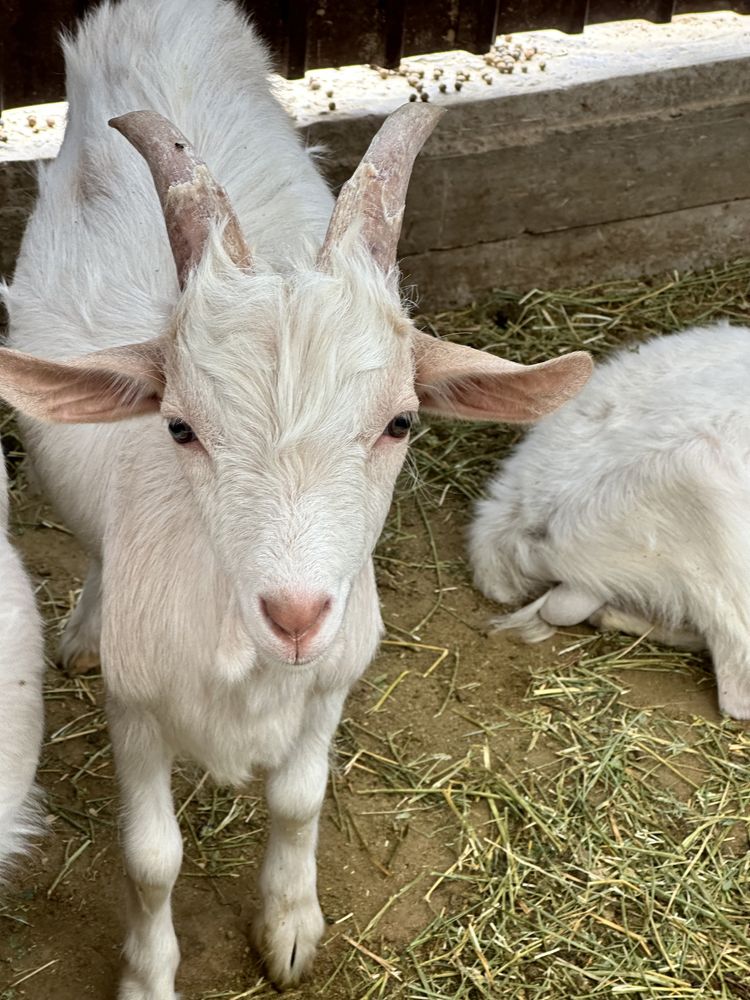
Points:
x=190, y=198
x=376, y=191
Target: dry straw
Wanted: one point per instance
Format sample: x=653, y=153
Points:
x=608, y=857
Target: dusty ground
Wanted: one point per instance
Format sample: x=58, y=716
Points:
x=444, y=783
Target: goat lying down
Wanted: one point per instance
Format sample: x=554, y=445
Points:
x=630, y=506
x=275, y=374
x=21, y=714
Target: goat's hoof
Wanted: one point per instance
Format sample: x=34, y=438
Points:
x=80, y=663
x=735, y=706
x=132, y=989
x=287, y=939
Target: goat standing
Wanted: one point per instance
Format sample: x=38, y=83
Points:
x=231, y=592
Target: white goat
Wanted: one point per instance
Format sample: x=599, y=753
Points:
x=632, y=504
x=231, y=592
x=21, y=713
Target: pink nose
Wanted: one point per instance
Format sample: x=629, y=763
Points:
x=295, y=618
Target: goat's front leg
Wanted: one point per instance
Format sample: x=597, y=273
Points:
x=290, y=923
x=79, y=646
x=153, y=853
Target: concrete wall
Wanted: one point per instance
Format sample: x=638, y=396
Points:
x=627, y=152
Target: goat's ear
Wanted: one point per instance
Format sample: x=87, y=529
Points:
x=108, y=385
x=459, y=381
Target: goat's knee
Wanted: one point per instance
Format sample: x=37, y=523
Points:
x=151, y=950
x=568, y=605
x=290, y=923
x=79, y=645
x=152, y=846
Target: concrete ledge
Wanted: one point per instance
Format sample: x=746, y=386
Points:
x=618, y=153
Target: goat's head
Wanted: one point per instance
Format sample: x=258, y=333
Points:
x=289, y=397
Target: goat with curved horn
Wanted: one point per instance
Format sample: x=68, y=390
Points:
x=190, y=197
x=231, y=595
x=376, y=191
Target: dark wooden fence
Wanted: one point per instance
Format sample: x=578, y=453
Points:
x=307, y=34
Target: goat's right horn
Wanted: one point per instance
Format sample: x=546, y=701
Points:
x=190, y=198
x=376, y=192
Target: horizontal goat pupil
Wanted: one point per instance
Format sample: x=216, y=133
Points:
x=400, y=425
x=180, y=431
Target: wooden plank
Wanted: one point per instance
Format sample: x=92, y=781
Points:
x=31, y=62
x=442, y=25
x=577, y=173
x=477, y=25
x=531, y=15
x=568, y=157
x=307, y=34
x=659, y=11
x=271, y=20
x=685, y=240
x=695, y=6
x=394, y=11
x=340, y=34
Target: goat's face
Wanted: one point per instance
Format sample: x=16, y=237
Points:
x=290, y=403
x=289, y=398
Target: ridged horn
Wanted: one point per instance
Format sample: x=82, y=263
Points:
x=376, y=191
x=190, y=198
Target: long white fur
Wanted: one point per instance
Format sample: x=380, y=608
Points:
x=21, y=712
x=277, y=370
x=631, y=506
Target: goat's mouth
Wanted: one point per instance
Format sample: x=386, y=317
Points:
x=296, y=620
x=296, y=659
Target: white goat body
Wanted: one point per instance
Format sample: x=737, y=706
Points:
x=631, y=503
x=21, y=712
x=231, y=591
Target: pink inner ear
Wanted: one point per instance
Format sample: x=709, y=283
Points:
x=462, y=382
x=99, y=397
x=111, y=385
x=481, y=398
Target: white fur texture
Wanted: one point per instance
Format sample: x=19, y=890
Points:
x=631, y=506
x=289, y=376
x=21, y=713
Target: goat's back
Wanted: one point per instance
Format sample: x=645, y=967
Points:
x=648, y=401
x=95, y=267
x=659, y=427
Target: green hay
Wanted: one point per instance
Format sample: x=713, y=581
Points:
x=616, y=864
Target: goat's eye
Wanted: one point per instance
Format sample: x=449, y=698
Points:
x=181, y=432
x=400, y=426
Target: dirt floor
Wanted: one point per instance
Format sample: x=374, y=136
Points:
x=482, y=832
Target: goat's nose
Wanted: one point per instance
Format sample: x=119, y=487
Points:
x=295, y=615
